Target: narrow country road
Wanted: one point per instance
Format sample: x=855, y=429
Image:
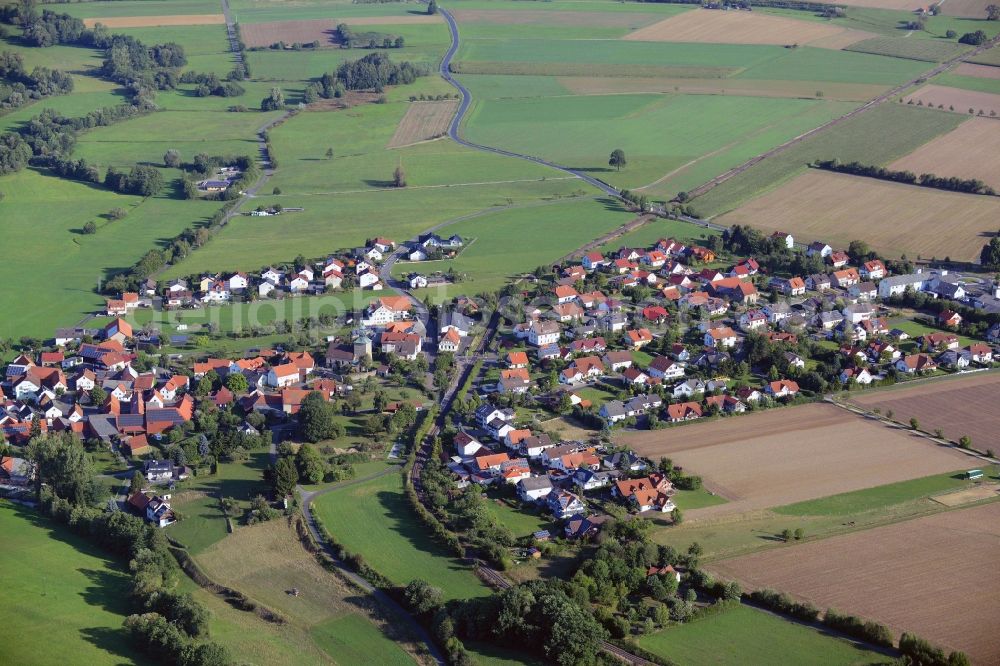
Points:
x=454, y=129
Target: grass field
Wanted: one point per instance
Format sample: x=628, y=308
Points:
x=374, y=520
x=743, y=635
x=880, y=497
x=881, y=574
x=59, y=586
x=970, y=151
x=581, y=131
x=877, y=137
x=506, y=245
x=840, y=208
x=266, y=561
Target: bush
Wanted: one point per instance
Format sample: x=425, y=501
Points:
x=782, y=603
x=873, y=632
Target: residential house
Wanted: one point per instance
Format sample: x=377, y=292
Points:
x=684, y=411
x=913, y=363
x=721, y=337
x=845, y=277
x=542, y=333
x=949, y=318
x=782, y=388
x=873, y=270
x=818, y=249
x=534, y=489
x=651, y=493
x=283, y=375
x=639, y=338
x=564, y=504
x=898, y=284
x=819, y=282
x=665, y=368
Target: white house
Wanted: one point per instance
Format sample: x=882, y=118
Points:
x=542, y=333
x=534, y=488
x=283, y=375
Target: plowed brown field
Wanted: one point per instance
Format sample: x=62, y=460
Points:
x=321, y=30
x=788, y=455
x=964, y=406
x=933, y=576
x=962, y=100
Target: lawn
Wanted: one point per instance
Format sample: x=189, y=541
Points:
x=743, y=635
x=375, y=520
x=696, y=499
x=880, y=497
x=915, y=329
x=521, y=522
x=879, y=136
x=648, y=234
x=64, y=599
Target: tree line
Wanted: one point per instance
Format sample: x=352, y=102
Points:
x=952, y=184
x=211, y=84
x=171, y=627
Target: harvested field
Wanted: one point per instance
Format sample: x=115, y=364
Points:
x=893, y=218
x=971, y=151
x=962, y=100
x=966, y=8
x=596, y=85
x=957, y=407
x=931, y=576
x=708, y=26
x=156, y=21
x=321, y=30
x=423, y=121
x=783, y=456
x=556, y=18
x=911, y=49
x=979, y=71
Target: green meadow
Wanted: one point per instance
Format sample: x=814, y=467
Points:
x=742, y=635
x=59, y=586
x=353, y=640
x=375, y=520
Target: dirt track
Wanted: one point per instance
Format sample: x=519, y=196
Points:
x=933, y=576
x=788, y=455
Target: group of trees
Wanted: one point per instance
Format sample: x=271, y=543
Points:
x=372, y=72
x=18, y=87
x=211, y=84
x=977, y=38
x=141, y=180
x=348, y=38
x=968, y=185
x=169, y=625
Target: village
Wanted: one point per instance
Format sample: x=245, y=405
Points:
x=638, y=338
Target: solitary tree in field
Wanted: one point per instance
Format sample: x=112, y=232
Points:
x=617, y=159
x=432, y=7
x=965, y=442
x=329, y=153
x=273, y=102
x=993, y=12
x=399, y=177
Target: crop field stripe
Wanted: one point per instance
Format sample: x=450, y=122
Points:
x=321, y=30
x=423, y=121
x=910, y=49
x=156, y=21
x=592, y=69
x=962, y=100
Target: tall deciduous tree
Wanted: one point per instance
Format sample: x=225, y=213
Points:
x=617, y=159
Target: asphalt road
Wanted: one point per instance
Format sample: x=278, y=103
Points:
x=454, y=130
